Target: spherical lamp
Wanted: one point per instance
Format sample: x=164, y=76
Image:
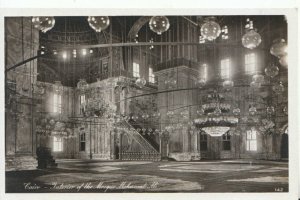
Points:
x=279, y=48
x=251, y=39
x=43, y=24
x=272, y=70
x=210, y=30
x=98, y=23
x=159, y=24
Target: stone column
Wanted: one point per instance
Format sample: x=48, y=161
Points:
x=180, y=143
x=21, y=43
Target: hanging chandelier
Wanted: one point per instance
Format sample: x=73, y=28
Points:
x=201, y=82
x=284, y=61
x=227, y=84
x=252, y=110
x=215, y=117
x=272, y=70
x=216, y=131
x=278, y=88
x=82, y=85
x=251, y=39
x=98, y=23
x=258, y=78
x=159, y=24
x=140, y=82
x=210, y=30
x=58, y=87
x=279, y=48
x=43, y=24
x=255, y=85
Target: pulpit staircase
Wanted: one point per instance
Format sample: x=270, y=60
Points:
x=144, y=150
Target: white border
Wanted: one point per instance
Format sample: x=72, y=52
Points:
x=184, y=7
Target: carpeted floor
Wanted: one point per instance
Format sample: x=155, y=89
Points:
x=143, y=176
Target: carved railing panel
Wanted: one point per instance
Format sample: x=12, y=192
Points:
x=148, y=152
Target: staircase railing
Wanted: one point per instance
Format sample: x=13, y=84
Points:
x=148, y=152
x=139, y=138
x=147, y=137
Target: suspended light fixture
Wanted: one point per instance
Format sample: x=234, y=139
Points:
x=170, y=113
x=184, y=114
x=252, y=110
x=217, y=111
x=156, y=114
x=201, y=82
x=251, y=39
x=279, y=48
x=98, y=23
x=216, y=131
x=210, y=30
x=140, y=82
x=284, y=61
x=145, y=116
x=159, y=24
x=43, y=24
x=254, y=84
x=270, y=110
x=225, y=33
x=236, y=111
x=258, y=78
x=58, y=87
x=200, y=112
x=171, y=82
x=212, y=119
x=135, y=117
x=82, y=85
x=272, y=70
x=227, y=84
x=278, y=88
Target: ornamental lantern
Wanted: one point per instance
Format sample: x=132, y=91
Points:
x=159, y=24
x=99, y=23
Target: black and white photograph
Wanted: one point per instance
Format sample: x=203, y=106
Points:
x=169, y=103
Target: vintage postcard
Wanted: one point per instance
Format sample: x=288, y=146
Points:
x=193, y=103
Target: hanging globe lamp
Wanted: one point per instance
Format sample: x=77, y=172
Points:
x=251, y=39
x=98, y=23
x=159, y=24
x=210, y=30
